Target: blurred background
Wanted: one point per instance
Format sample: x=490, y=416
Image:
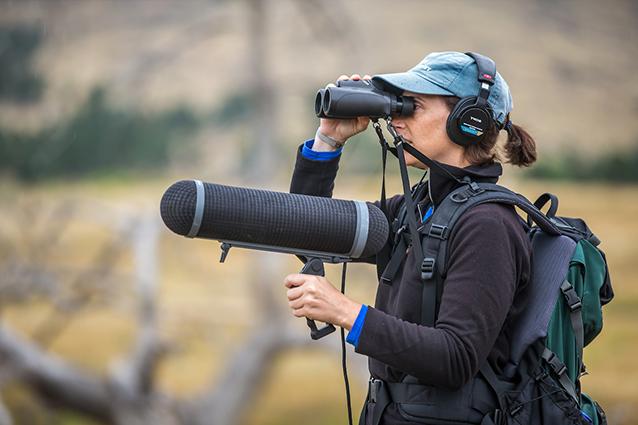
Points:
x=106, y=317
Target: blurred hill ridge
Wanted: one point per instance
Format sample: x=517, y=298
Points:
x=571, y=64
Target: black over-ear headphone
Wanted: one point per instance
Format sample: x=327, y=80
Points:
x=472, y=115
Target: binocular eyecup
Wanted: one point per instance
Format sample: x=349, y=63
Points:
x=360, y=98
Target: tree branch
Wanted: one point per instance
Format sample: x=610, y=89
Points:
x=135, y=374
x=5, y=416
x=54, y=379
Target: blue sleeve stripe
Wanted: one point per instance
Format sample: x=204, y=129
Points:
x=353, y=335
x=308, y=153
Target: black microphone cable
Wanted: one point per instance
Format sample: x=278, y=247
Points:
x=343, y=351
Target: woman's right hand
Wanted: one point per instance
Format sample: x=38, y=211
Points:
x=340, y=129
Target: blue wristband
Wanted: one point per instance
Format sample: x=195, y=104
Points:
x=355, y=332
x=308, y=153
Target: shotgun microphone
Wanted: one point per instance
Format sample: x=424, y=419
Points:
x=332, y=229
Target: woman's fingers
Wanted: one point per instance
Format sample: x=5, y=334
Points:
x=297, y=304
x=299, y=313
x=296, y=279
x=354, y=77
x=294, y=293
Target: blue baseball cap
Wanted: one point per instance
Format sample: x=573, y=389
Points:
x=449, y=74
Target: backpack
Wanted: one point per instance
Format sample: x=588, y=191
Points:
x=570, y=283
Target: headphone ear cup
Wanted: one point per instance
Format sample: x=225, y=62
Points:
x=453, y=126
x=467, y=123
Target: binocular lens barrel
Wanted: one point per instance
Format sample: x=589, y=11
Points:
x=362, y=100
x=319, y=104
x=325, y=103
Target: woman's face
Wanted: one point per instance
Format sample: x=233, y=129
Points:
x=425, y=130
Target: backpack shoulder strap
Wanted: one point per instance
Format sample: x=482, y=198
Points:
x=437, y=230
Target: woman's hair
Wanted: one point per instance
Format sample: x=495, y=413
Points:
x=520, y=148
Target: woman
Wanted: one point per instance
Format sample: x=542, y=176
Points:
x=488, y=251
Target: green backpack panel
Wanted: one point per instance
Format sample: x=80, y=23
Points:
x=587, y=271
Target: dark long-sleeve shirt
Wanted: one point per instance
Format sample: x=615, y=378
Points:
x=483, y=292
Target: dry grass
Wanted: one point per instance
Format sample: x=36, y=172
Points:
x=206, y=307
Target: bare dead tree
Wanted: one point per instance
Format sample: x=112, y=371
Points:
x=128, y=394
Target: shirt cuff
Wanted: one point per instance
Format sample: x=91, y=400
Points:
x=353, y=335
x=308, y=153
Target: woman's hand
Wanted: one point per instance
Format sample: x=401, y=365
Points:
x=314, y=297
x=340, y=129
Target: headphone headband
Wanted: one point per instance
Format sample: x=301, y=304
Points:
x=486, y=75
x=486, y=67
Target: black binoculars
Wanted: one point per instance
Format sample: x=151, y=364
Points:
x=360, y=98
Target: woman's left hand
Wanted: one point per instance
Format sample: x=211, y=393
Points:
x=314, y=297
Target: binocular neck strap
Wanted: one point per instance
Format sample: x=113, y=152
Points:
x=420, y=156
x=398, y=150
x=399, y=143
x=384, y=158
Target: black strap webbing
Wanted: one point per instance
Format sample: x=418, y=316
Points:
x=560, y=370
x=401, y=236
x=409, y=202
x=384, y=255
x=575, y=316
x=393, y=265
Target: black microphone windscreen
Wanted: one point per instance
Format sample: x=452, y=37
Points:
x=285, y=220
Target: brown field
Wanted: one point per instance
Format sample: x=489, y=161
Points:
x=206, y=307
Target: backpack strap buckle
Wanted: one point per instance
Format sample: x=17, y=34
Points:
x=572, y=298
x=554, y=362
x=427, y=268
x=438, y=231
x=559, y=368
x=475, y=188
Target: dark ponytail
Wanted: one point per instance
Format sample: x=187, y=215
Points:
x=520, y=147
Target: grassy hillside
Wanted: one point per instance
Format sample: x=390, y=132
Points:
x=570, y=63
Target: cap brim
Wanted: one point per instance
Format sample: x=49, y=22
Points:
x=408, y=81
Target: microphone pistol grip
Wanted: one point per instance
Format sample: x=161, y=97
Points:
x=314, y=266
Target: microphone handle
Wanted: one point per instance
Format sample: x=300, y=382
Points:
x=314, y=266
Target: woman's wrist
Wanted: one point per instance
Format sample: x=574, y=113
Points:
x=326, y=142
x=321, y=146
x=350, y=313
